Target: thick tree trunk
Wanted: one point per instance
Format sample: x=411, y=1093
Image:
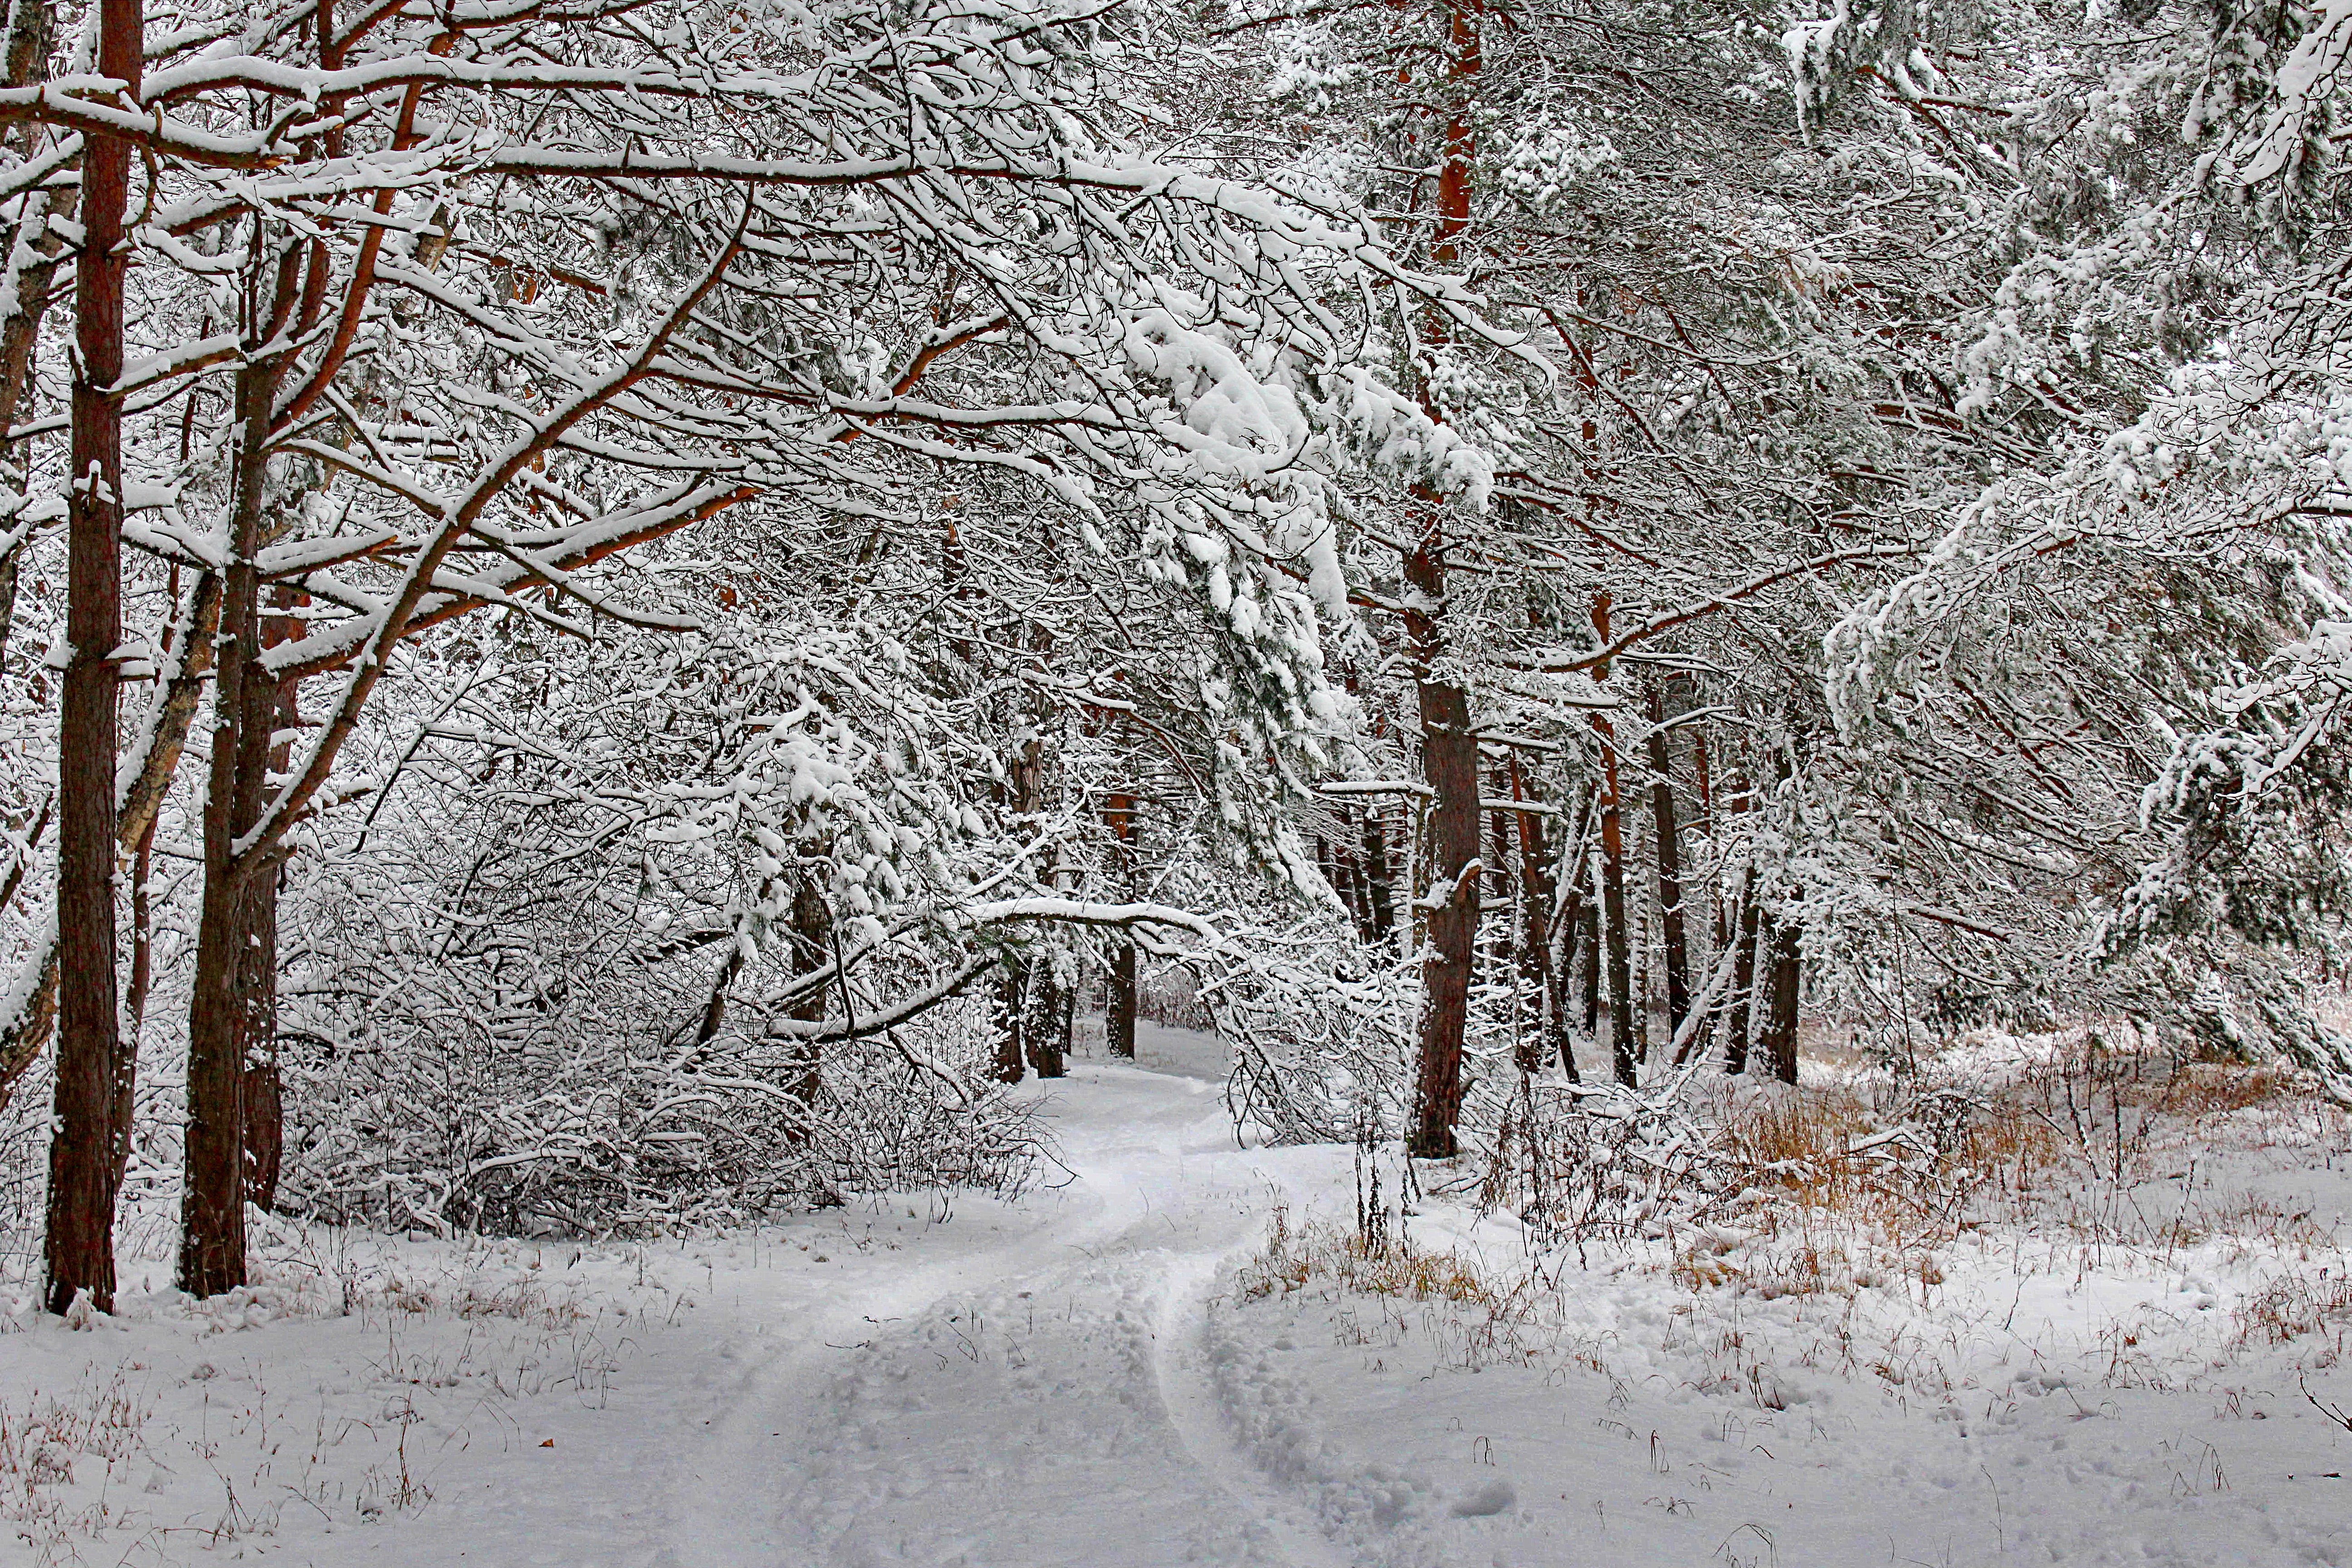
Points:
x=1010, y=1021
x=1718, y=934
x=78, y=1250
x=232, y=1000
x=273, y=709
x=222, y=1001
x=1449, y=754
x=1615, y=940
x=1449, y=747
x=1670, y=868
x=1119, y=1027
x=1119, y=1017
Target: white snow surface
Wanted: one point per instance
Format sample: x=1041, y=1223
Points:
x=1074, y=1379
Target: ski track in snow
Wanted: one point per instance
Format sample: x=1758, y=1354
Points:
x=1047, y=1400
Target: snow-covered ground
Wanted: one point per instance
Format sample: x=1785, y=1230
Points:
x=1108, y=1372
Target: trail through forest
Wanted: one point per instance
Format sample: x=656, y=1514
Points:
x=1159, y=1356
x=1050, y=1388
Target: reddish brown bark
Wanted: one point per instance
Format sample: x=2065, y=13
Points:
x=92, y=1067
x=1449, y=760
x=1449, y=747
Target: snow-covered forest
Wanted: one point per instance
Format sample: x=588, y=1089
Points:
x=1119, y=782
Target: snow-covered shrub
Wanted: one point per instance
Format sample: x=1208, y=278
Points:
x=657, y=930
x=1320, y=1027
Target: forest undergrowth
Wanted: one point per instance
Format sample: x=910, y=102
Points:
x=2052, y=1201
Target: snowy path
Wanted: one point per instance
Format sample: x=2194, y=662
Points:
x=1050, y=1389
x=1066, y=1381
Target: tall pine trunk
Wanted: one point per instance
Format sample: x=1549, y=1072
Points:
x=1781, y=941
x=1449, y=756
x=92, y=1066
x=1592, y=981
x=221, y=1023
x=1012, y=1064
x=1449, y=747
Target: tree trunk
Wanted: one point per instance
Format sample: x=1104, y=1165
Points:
x=275, y=710
x=811, y=945
x=1119, y=1024
x=1016, y=1043
x=1613, y=879
x=188, y=665
x=1592, y=983
x=1779, y=1042
x=1569, y=924
x=1718, y=935
x=1743, y=978
x=260, y=1094
x=79, y=1249
x=1052, y=1006
x=1379, y=886
x=1118, y=1016
x=220, y=1010
x=34, y=251
x=1670, y=868
x=1449, y=752
x=1011, y=1016
x=1537, y=977
x=1449, y=747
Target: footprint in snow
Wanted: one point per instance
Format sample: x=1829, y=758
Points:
x=1492, y=1498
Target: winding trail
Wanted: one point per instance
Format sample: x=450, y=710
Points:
x=1036, y=1395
